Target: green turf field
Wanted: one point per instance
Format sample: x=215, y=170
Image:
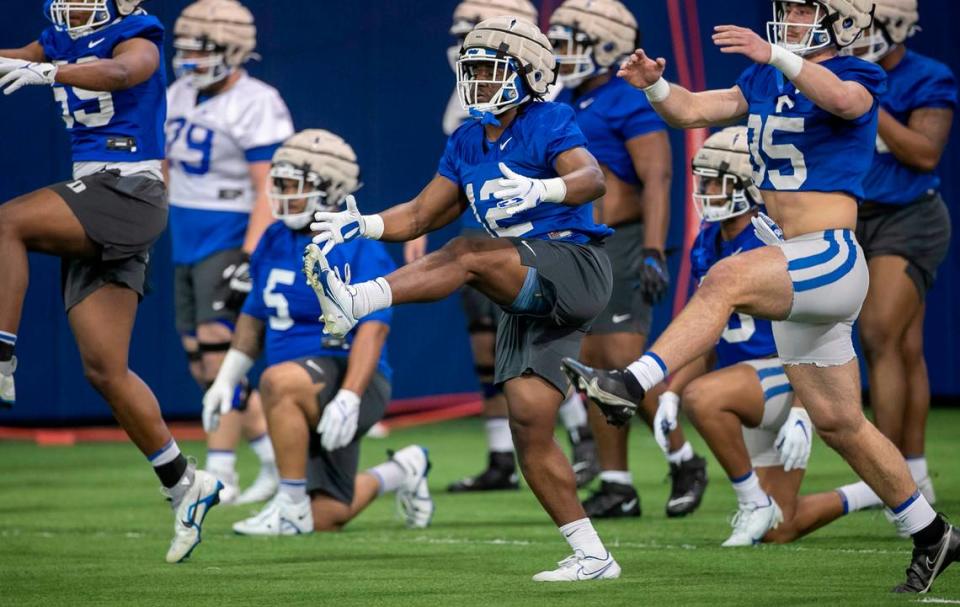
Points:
x=86, y=525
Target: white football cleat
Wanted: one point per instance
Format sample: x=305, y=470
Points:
x=580, y=568
x=231, y=486
x=201, y=495
x=335, y=297
x=413, y=496
x=281, y=516
x=8, y=392
x=752, y=522
x=262, y=489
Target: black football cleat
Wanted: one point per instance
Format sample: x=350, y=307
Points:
x=586, y=463
x=606, y=389
x=929, y=562
x=613, y=500
x=501, y=474
x=688, y=482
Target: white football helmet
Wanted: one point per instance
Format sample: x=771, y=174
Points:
x=591, y=36
x=504, y=62
x=321, y=166
x=471, y=12
x=894, y=21
x=835, y=22
x=212, y=39
x=98, y=13
x=723, y=176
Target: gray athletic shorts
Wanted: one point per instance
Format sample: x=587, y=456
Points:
x=201, y=289
x=124, y=216
x=577, y=281
x=628, y=311
x=333, y=472
x=919, y=232
x=482, y=314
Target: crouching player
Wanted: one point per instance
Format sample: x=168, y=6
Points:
x=340, y=387
x=745, y=409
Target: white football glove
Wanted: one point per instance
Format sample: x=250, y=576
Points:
x=665, y=420
x=795, y=440
x=338, y=227
x=518, y=193
x=767, y=230
x=219, y=398
x=18, y=73
x=338, y=424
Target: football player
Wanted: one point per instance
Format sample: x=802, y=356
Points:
x=339, y=386
x=812, y=119
x=104, y=60
x=738, y=396
x=904, y=228
x=222, y=129
x=523, y=169
x=630, y=142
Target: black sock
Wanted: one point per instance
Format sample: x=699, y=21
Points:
x=6, y=351
x=633, y=385
x=171, y=472
x=931, y=534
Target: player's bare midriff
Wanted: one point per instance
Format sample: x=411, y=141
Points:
x=799, y=213
x=622, y=203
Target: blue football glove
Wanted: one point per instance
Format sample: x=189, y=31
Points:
x=654, y=275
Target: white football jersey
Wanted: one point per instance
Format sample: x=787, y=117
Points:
x=211, y=145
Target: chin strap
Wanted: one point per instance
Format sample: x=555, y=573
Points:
x=484, y=117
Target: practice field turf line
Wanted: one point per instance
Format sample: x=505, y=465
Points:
x=85, y=525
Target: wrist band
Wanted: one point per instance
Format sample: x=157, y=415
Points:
x=372, y=227
x=785, y=61
x=555, y=190
x=658, y=91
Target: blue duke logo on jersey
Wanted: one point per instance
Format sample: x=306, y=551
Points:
x=797, y=146
x=529, y=146
x=105, y=126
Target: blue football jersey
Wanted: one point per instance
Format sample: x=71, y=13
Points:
x=283, y=300
x=745, y=337
x=916, y=82
x=118, y=126
x=540, y=132
x=797, y=146
x=609, y=116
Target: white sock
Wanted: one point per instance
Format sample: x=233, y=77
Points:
x=858, y=496
x=165, y=454
x=748, y=490
x=649, y=370
x=371, y=296
x=221, y=461
x=390, y=475
x=620, y=477
x=918, y=467
x=294, y=488
x=683, y=454
x=499, y=439
x=6, y=367
x=581, y=536
x=914, y=514
x=573, y=414
x=264, y=449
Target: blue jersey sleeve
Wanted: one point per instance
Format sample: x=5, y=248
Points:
x=560, y=132
x=746, y=79
x=449, y=162
x=253, y=305
x=372, y=261
x=637, y=117
x=939, y=89
x=871, y=76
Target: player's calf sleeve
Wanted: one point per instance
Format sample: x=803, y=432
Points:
x=168, y=463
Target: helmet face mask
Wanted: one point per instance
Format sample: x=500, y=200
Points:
x=79, y=17
x=872, y=46
x=201, y=62
x=799, y=27
x=213, y=38
x=894, y=22
x=719, y=196
x=488, y=81
x=296, y=194
x=723, y=176
x=574, y=52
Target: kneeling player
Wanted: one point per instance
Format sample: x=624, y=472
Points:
x=340, y=387
x=745, y=408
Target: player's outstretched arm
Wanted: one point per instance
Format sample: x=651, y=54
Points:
x=32, y=52
x=919, y=143
x=679, y=107
x=437, y=205
x=846, y=99
x=338, y=423
x=133, y=62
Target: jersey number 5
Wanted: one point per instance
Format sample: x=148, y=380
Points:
x=280, y=321
x=738, y=335
x=761, y=138
x=105, y=109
